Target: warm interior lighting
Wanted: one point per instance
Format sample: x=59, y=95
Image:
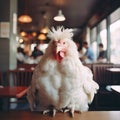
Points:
x=25, y=19
x=41, y=36
x=34, y=34
x=44, y=30
x=21, y=40
x=23, y=33
x=60, y=16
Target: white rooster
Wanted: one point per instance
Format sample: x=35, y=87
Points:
x=60, y=81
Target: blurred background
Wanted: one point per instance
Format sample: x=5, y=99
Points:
x=24, y=25
x=94, y=21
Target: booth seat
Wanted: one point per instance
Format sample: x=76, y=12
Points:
x=106, y=98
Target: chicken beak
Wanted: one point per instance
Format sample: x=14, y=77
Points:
x=59, y=53
x=58, y=49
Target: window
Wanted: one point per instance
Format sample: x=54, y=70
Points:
x=115, y=42
x=114, y=35
x=103, y=33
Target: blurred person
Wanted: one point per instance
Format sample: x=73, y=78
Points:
x=102, y=57
x=20, y=55
x=36, y=54
x=88, y=56
x=80, y=52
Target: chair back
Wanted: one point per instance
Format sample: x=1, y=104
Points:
x=19, y=77
x=101, y=75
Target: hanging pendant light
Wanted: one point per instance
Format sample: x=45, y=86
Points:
x=45, y=30
x=60, y=16
x=25, y=18
x=42, y=36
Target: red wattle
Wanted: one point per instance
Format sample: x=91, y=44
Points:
x=59, y=56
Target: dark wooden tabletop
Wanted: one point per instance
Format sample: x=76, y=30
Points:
x=16, y=91
x=113, y=69
x=116, y=88
x=91, y=115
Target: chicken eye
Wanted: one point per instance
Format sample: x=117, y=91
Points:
x=63, y=43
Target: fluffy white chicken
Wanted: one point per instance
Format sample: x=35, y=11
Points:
x=60, y=81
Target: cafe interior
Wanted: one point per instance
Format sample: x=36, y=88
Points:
x=25, y=24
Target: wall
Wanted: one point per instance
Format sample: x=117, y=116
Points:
x=7, y=44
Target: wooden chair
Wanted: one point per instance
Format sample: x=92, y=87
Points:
x=19, y=77
x=101, y=75
x=27, y=66
x=105, y=99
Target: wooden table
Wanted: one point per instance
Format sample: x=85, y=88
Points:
x=8, y=92
x=116, y=88
x=16, y=91
x=91, y=115
x=115, y=72
x=113, y=69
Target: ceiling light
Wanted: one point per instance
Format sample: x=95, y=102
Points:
x=45, y=30
x=34, y=34
x=25, y=19
x=21, y=40
x=23, y=33
x=60, y=16
x=41, y=36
